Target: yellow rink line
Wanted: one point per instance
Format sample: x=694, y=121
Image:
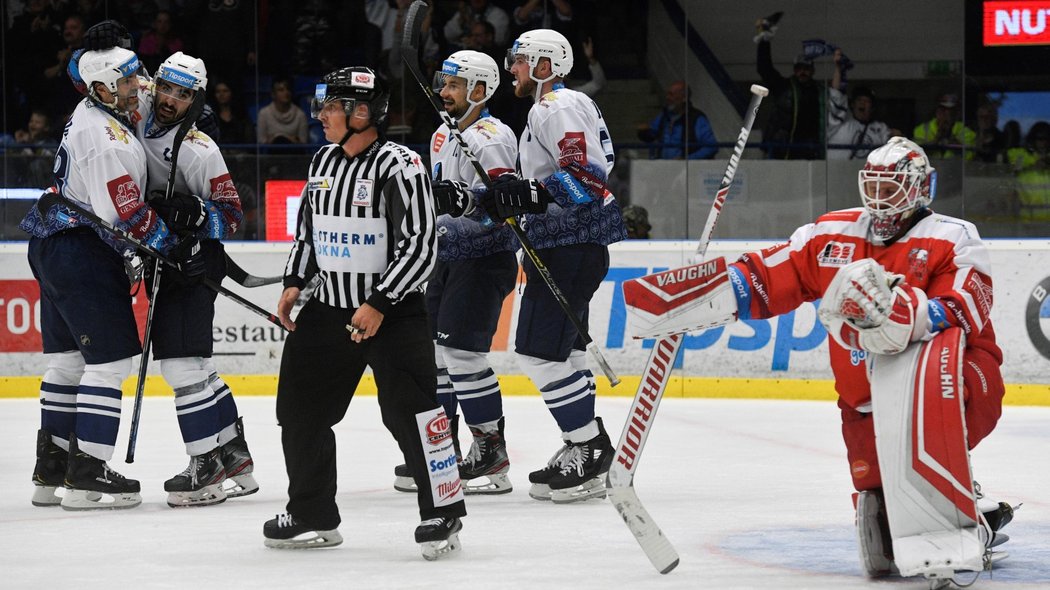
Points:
x=1017, y=394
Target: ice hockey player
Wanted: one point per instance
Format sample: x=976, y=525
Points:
x=87, y=324
x=571, y=218
x=205, y=208
x=903, y=288
x=367, y=226
x=476, y=269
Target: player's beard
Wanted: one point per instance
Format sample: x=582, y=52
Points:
x=456, y=110
x=525, y=89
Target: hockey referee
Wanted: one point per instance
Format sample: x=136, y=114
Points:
x=366, y=223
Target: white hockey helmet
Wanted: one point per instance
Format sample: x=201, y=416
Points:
x=107, y=66
x=540, y=43
x=896, y=181
x=472, y=66
x=184, y=70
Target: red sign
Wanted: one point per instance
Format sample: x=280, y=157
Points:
x=1020, y=22
x=282, y=208
x=20, y=315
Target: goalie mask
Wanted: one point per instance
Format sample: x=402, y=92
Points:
x=108, y=67
x=474, y=67
x=896, y=181
x=185, y=76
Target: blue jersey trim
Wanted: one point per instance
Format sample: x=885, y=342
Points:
x=742, y=293
x=938, y=316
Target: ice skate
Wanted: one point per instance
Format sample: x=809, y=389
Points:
x=285, y=532
x=583, y=469
x=439, y=537
x=484, y=468
x=239, y=466
x=873, y=534
x=403, y=481
x=540, y=479
x=200, y=484
x=50, y=471
x=92, y=485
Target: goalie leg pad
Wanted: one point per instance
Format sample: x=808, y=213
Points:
x=680, y=300
x=923, y=456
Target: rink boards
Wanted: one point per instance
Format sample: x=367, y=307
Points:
x=784, y=357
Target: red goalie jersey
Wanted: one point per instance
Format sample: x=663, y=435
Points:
x=941, y=255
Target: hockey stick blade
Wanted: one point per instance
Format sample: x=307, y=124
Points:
x=246, y=279
x=410, y=57
x=651, y=539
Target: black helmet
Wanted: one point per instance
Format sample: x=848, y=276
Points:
x=353, y=85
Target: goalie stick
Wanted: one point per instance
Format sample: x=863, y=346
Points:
x=410, y=57
x=620, y=480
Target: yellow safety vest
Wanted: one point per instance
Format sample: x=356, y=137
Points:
x=1033, y=184
x=963, y=135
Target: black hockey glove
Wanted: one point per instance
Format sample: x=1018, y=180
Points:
x=189, y=255
x=453, y=197
x=208, y=123
x=515, y=196
x=106, y=34
x=182, y=213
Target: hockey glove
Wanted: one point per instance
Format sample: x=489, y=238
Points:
x=513, y=196
x=106, y=34
x=189, y=255
x=453, y=198
x=183, y=213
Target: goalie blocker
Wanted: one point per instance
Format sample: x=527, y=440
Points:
x=683, y=299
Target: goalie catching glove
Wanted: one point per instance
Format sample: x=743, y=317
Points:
x=453, y=198
x=866, y=308
x=511, y=197
x=182, y=213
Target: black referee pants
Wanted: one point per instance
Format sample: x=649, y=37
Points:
x=320, y=370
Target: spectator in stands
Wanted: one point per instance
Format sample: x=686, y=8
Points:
x=282, y=121
x=38, y=145
x=990, y=141
x=471, y=11
x=234, y=125
x=1011, y=136
x=680, y=127
x=60, y=97
x=796, y=126
x=1031, y=163
x=543, y=14
x=597, y=82
x=159, y=41
x=636, y=220
x=853, y=124
x=944, y=136
x=36, y=132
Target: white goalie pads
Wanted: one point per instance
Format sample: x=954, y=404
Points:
x=680, y=300
x=920, y=436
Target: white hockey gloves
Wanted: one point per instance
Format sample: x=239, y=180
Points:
x=866, y=308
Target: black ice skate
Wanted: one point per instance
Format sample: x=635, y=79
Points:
x=92, y=485
x=403, y=481
x=996, y=514
x=50, y=471
x=540, y=479
x=200, y=484
x=285, y=532
x=583, y=469
x=239, y=466
x=439, y=537
x=484, y=468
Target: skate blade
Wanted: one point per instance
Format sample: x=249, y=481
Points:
x=496, y=483
x=405, y=484
x=541, y=492
x=90, y=500
x=46, y=496
x=240, y=485
x=589, y=490
x=308, y=540
x=206, y=496
x=434, y=550
x=998, y=539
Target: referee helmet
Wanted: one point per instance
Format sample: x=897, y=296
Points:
x=353, y=85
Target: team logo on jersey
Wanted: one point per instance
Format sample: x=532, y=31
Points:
x=222, y=188
x=918, y=261
x=486, y=128
x=981, y=291
x=362, y=193
x=320, y=183
x=115, y=132
x=197, y=137
x=125, y=195
x=572, y=148
x=439, y=140
x=836, y=254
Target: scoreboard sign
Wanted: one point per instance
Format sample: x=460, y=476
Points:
x=1020, y=22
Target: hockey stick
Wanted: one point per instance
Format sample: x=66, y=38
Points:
x=245, y=279
x=191, y=115
x=620, y=481
x=410, y=56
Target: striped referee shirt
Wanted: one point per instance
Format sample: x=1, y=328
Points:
x=366, y=225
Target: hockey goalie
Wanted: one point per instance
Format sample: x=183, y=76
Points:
x=906, y=295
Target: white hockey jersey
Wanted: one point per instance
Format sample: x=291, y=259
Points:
x=496, y=147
